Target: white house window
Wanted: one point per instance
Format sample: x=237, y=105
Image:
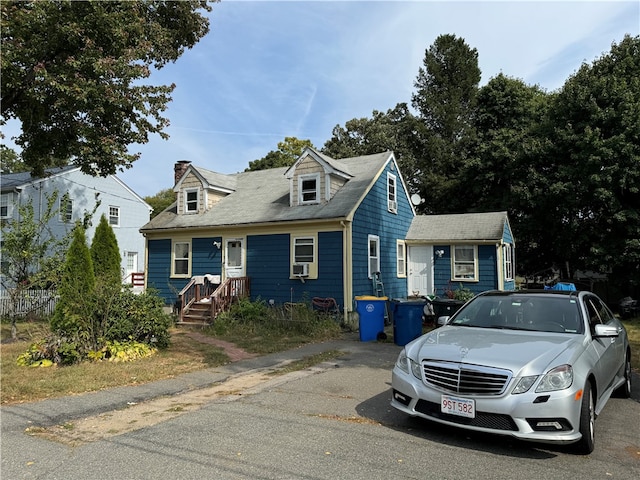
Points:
x=309, y=188
x=304, y=250
x=401, y=258
x=66, y=209
x=181, y=256
x=464, y=262
x=191, y=200
x=374, y=255
x=114, y=216
x=508, y=261
x=6, y=205
x=392, y=202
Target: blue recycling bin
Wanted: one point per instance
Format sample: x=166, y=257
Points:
x=407, y=320
x=371, y=316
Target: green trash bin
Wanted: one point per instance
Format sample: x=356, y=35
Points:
x=371, y=312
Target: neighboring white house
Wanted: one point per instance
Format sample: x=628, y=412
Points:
x=126, y=211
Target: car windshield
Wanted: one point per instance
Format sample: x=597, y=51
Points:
x=542, y=313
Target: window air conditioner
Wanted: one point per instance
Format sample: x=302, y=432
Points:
x=393, y=206
x=301, y=269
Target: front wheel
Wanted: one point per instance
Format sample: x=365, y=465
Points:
x=587, y=422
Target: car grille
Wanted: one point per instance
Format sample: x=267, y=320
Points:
x=466, y=379
x=494, y=421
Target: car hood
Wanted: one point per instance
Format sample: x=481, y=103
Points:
x=522, y=352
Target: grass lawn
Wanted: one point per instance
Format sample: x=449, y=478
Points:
x=185, y=354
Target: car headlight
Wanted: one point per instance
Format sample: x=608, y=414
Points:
x=403, y=362
x=558, y=378
x=524, y=384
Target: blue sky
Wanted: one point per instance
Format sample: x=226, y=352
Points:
x=271, y=69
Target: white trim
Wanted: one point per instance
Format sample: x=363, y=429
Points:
x=301, y=192
x=375, y=257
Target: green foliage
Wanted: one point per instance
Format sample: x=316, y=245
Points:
x=73, y=310
x=288, y=152
x=161, y=200
x=72, y=73
x=10, y=161
x=256, y=318
x=105, y=256
x=53, y=349
x=126, y=351
x=140, y=318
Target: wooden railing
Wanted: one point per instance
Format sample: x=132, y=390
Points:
x=228, y=291
x=219, y=295
x=194, y=291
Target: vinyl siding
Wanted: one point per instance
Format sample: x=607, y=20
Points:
x=373, y=218
x=268, y=266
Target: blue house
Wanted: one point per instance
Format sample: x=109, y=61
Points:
x=472, y=250
x=320, y=228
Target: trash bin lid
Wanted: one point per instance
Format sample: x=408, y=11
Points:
x=370, y=297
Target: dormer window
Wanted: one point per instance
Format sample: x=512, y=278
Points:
x=309, y=188
x=191, y=201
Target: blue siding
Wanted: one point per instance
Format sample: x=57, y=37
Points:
x=487, y=271
x=206, y=258
x=373, y=218
x=268, y=266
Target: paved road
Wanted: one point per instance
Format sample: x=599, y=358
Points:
x=332, y=421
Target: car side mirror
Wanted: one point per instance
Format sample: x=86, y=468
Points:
x=442, y=321
x=606, y=331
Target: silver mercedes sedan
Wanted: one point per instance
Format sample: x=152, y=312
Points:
x=535, y=365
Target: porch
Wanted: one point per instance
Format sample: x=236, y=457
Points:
x=205, y=297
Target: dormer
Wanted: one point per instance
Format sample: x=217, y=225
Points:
x=197, y=189
x=315, y=178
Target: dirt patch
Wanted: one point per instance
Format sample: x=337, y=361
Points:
x=234, y=352
x=136, y=416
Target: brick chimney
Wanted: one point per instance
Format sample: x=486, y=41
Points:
x=179, y=168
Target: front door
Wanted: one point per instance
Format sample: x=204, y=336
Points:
x=420, y=262
x=234, y=258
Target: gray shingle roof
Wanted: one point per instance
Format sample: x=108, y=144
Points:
x=263, y=197
x=12, y=180
x=457, y=227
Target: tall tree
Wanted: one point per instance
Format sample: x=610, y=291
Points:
x=397, y=130
x=32, y=257
x=73, y=72
x=594, y=131
x=74, y=310
x=105, y=255
x=10, y=161
x=288, y=152
x=445, y=98
x=161, y=200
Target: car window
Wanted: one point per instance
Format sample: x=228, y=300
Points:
x=558, y=314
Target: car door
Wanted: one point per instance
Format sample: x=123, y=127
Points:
x=610, y=350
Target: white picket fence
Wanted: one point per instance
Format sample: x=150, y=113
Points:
x=39, y=302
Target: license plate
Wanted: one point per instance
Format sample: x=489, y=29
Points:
x=463, y=407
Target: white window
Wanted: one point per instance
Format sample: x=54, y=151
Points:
x=114, y=216
x=401, y=258
x=392, y=201
x=181, y=256
x=6, y=205
x=374, y=255
x=304, y=250
x=191, y=200
x=309, y=189
x=66, y=209
x=508, y=261
x=465, y=262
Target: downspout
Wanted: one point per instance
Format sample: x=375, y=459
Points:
x=346, y=271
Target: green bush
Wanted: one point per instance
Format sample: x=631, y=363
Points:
x=140, y=318
x=52, y=350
